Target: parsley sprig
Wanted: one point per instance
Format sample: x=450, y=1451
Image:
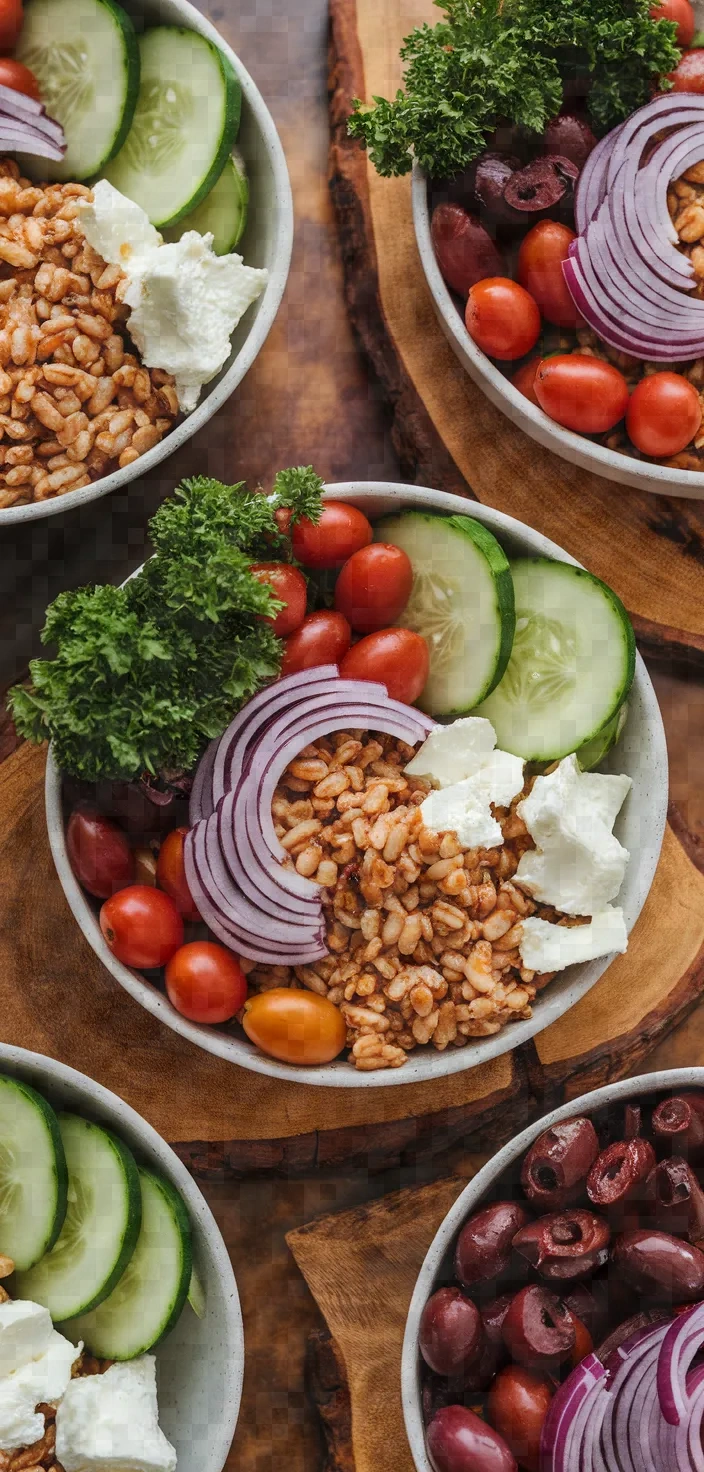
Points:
x=497, y=61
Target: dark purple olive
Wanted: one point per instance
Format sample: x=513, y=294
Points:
x=483, y=1248
x=589, y=1301
x=557, y=1165
x=632, y=1122
x=464, y=251
x=619, y=1171
x=679, y=1122
x=624, y=1330
x=565, y=1245
x=676, y=1198
x=493, y=1315
x=661, y=1265
x=459, y=1441
x=491, y=175
x=543, y=188
x=538, y=1330
x=570, y=137
x=450, y=1332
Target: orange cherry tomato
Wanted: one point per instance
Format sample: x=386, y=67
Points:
x=524, y=380
x=374, y=586
x=503, y=318
x=295, y=1026
x=397, y=658
x=142, y=926
x=11, y=18
x=540, y=259
x=16, y=75
x=664, y=414
x=581, y=393
x=517, y=1407
x=288, y=584
x=171, y=874
x=342, y=530
x=683, y=15
x=688, y=75
x=323, y=638
x=205, y=982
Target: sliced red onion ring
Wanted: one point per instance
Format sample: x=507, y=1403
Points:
x=591, y=185
x=685, y=1336
x=200, y=803
x=556, y=1433
x=253, y=946
x=254, y=716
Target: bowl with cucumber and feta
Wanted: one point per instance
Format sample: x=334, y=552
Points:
x=154, y=233
x=120, y=1329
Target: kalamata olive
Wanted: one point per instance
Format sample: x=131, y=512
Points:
x=619, y=1171
x=464, y=250
x=676, y=1198
x=517, y=1406
x=570, y=137
x=479, y=1375
x=632, y=1122
x=544, y=187
x=558, y=1163
x=484, y=1245
x=583, y=1341
x=660, y=1264
x=493, y=1315
x=98, y=852
x=437, y=1393
x=589, y=1302
x=680, y=1122
x=450, y=1332
x=565, y=1245
x=627, y=1327
x=538, y=1329
x=459, y=1441
x=491, y=175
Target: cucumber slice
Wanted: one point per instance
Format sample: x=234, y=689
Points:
x=572, y=663
x=223, y=212
x=185, y=125
x=461, y=602
x=196, y=1294
x=33, y=1175
x=593, y=752
x=85, y=56
x=101, y=1228
x=153, y=1289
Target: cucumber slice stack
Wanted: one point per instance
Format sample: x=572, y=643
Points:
x=223, y=212
x=33, y=1174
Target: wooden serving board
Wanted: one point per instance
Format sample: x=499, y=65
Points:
x=448, y=435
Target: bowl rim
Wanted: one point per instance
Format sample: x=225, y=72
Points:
x=471, y=1196
x=283, y=230
x=575, y=448
x=426, y=1068
x=43, y=1071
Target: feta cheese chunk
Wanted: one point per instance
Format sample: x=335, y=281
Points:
x=115, y=226
x=578, y=864
x=451, y=753
x=42, y=1361
x=546, y=947
x=110, y=1422
x=25, y=1330
x=464, y=807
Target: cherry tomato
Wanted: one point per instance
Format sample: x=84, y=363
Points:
x=342, y=530
x=171, y=875
x=17, y=76
x=295, y=1026
x=145, y=861
x=581, y=393
x=142, y=926
x=205, y=982
x=503, y=318
x=374, y=587
x=682, y=13
x=688, y=75
x=540, y=259
x=518, y=1404
x=11, y=19
x=98, y=852
x=397, y=658
x=288, y=584
x=323, y=638
x=524, y=380
x=664, y=414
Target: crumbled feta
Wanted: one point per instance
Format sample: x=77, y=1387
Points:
x=469, y=775
x=546, y=947
x=110, y=1422
x=36, y=1368
x=185, y=301
x=25, y=1330
x=451, y=753
x=578, y=864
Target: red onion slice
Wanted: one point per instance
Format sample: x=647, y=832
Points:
x=253, y=944
x=591, y=185
x=200, y=803
x=685, y=1336
x=564, y=1406
x=255, y=714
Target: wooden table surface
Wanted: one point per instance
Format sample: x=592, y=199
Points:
x=308, y=399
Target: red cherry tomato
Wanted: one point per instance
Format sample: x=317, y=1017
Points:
x=524, y=379
x=205, y=982
x=17, y=76
x=342, y=530
x=518, y=1404
x=688, y=75
x=503, y=318
x=323, y=638
x=664, y=414
x=398, y=658
x=11, y=19
x=171, y=875
x=581, y=393
x=374, y=587
x=142, y=926
x=540, y=259
x=288, y=584
x=683, y=15
x=98, y=852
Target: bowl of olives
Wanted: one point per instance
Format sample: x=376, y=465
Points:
x=571, y=1259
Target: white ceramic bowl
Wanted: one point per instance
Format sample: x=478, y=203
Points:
x=437, y=1264
x=571, y=446
x=267, y=241
x=641, y=753
x=201, y=1364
